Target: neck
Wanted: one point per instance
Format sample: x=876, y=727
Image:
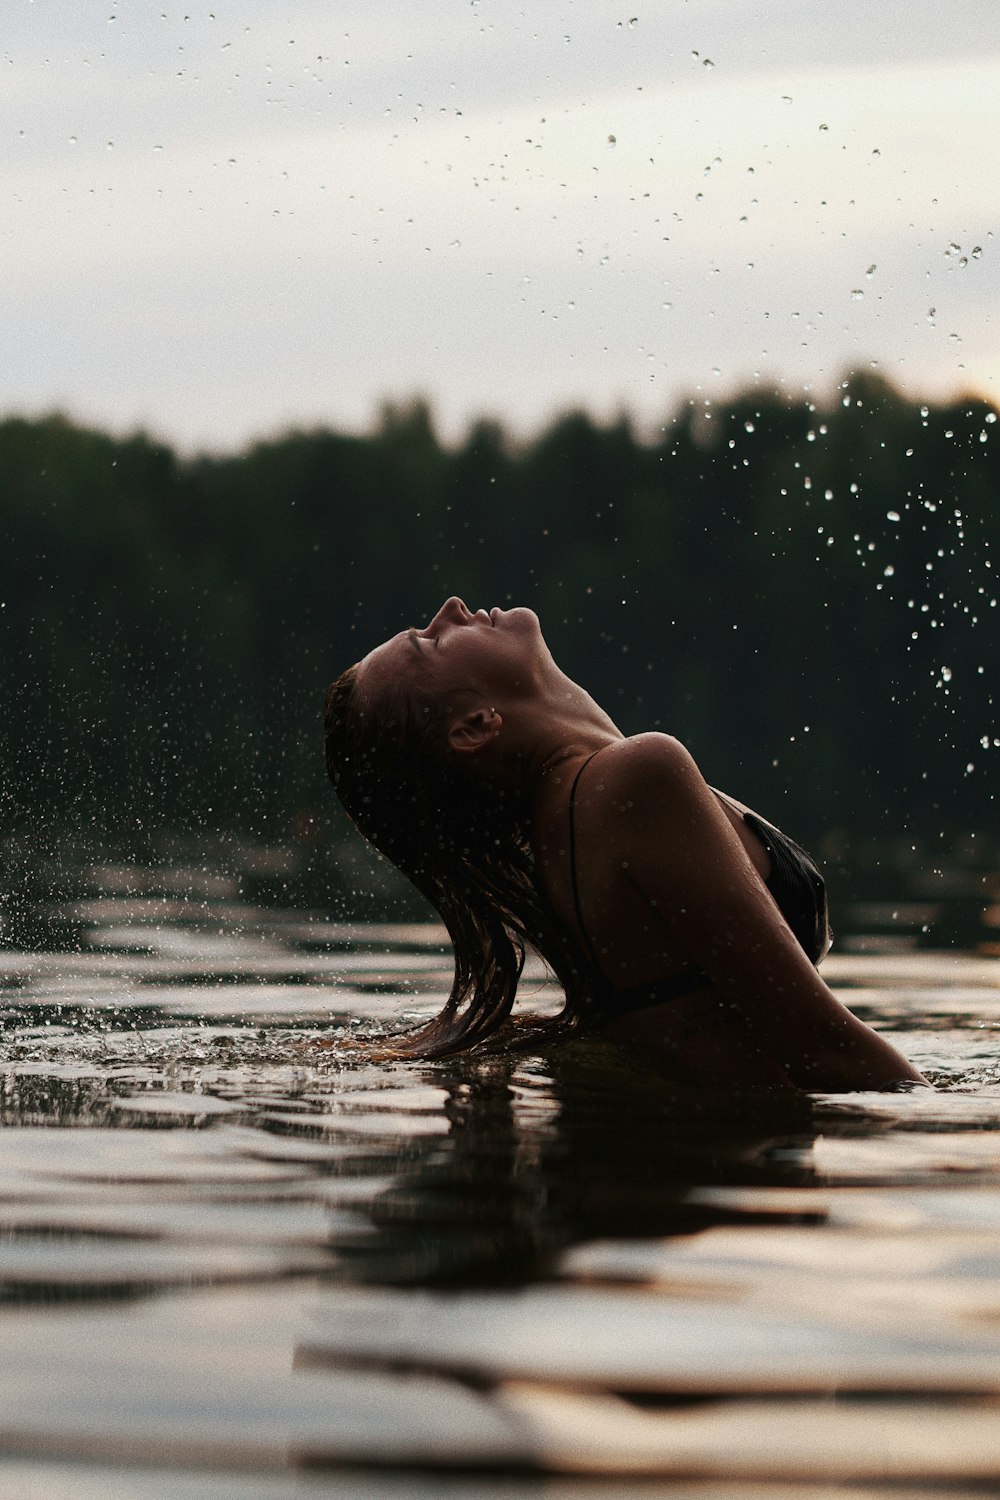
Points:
x=545, y=739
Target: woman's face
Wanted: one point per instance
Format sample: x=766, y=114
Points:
x=489, y=654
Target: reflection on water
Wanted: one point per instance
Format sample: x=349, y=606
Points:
x=234, y=1240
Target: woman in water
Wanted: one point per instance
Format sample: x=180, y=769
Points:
x=672, y=916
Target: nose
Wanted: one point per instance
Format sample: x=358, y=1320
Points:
x=453, y=611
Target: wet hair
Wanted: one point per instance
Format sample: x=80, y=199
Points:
x=466, y=847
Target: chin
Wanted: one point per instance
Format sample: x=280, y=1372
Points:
x=524, y=624
x=522, y=615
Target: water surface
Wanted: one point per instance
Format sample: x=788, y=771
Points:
x=241, y=1256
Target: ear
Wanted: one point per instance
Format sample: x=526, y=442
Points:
x=473, y=731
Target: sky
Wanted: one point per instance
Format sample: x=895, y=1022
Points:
x=223, y=220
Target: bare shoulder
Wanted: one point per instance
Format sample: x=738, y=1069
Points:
x=648, y=765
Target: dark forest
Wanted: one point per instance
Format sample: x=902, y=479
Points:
x=805, y=593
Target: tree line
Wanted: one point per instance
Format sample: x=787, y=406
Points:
x=805, y=592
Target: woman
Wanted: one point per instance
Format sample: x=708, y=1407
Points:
x=673, y=917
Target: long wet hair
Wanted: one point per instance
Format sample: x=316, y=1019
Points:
x=466, y=847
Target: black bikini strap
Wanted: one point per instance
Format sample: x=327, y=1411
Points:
x=572, y=862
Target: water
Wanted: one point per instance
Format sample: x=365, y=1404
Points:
x=243, y=1257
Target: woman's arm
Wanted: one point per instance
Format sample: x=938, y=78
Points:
x=672, y=842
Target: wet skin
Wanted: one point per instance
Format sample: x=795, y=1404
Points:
x=670, y=875
x=460, y=651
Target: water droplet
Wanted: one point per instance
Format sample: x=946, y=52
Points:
x=871, y=270
x=977, y=252
x=892, y=515
x=612, y=140
x=824, y=127
x=857, y=294
x=707, y=62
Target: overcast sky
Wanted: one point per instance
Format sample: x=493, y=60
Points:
x=222, y=219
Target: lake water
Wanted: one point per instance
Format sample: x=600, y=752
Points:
x=241, y=1257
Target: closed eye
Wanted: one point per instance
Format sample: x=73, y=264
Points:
x=416, y=640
